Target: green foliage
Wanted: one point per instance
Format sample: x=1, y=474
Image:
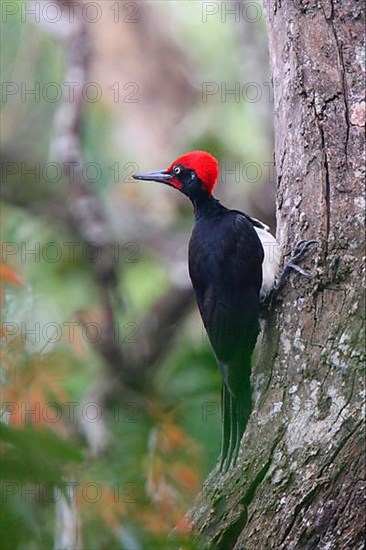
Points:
x=159, y=446
x=31, y=474
x=35, y=455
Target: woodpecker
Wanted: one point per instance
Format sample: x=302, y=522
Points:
x=233, y=264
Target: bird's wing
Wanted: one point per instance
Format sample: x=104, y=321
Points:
x=226, y=274
x=227, y=278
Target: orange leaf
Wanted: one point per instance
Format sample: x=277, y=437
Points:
x=188, y=476
x=9, y=275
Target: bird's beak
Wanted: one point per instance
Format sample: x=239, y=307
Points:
x=163, y=176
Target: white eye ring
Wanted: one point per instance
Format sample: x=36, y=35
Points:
x=177, y=170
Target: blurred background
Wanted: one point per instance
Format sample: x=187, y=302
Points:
x=110, y=392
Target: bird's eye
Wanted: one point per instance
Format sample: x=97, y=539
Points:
x=177, y=170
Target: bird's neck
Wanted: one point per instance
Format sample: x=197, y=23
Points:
x=205, y=205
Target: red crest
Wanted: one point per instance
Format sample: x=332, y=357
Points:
x=204, y=164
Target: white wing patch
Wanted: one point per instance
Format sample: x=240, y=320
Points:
x=272, y=257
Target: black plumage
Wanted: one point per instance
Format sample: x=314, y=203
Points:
x=225, y=266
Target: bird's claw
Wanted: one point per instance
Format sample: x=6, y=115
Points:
x=298, y=269
x=300, y=251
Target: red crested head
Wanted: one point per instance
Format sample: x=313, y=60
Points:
x=205, y=166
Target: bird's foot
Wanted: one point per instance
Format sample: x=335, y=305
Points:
x=301, y=250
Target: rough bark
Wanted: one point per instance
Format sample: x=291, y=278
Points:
x=300, y=479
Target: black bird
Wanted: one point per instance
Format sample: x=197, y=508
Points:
x=233, y=264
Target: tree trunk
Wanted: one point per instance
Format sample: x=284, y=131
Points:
x=300, y=478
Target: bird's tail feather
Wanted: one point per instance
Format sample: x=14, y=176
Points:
x=236, y=409
x=225, y=420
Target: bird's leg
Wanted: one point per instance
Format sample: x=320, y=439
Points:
x=301, y=250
